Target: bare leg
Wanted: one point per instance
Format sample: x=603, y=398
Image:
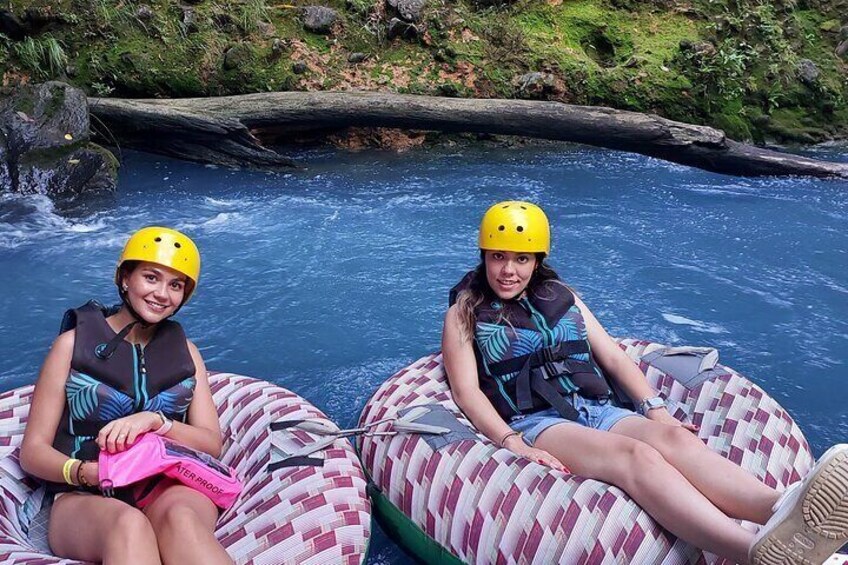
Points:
x=659, y=488
x=92, y=528
x=732, y=489
x=184, y=521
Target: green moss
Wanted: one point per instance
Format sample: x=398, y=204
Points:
x=734, y=125
x=619, y=53
x=792, y=125
x=49, y=156
x=24, y=102
x=112, y=163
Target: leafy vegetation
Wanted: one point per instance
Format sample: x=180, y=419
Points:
x=43, y=56
x=733, y=64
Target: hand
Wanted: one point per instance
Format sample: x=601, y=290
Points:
x=517, y=446
x=118, y=435
x=662, y=416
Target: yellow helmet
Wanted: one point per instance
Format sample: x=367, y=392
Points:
x=515, y=226
x=165, y=247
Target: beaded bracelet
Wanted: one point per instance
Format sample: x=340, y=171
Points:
x=81, y=480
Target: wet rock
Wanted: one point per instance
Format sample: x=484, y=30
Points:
x=266, y=29
x=842, y=49
x=299, y=68
x=189, y=20
x=237, y=56
x=40, y=18
x=278, y=47
x=356, y=57
x=319, y=19
x=402, y=29
x=700, y=48
x=409, y=10
x=224, y=22
x=448, y=89
x=145, y=13
x=843, y=32
x=535, y=84
x=11, y=26
x=808, y=72
x=44, y=143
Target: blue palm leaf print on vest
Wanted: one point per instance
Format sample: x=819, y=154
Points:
x=493, y=341
x=175, y=400
x=527, y=341
x=81, y=390
x=568, y=329
x=114, y=405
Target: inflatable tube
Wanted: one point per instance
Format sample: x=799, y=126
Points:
x=305, y=515
x=471, y=502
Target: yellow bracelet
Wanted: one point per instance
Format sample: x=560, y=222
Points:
x=66, y=470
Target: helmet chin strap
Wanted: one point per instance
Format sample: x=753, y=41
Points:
x=106, y=352
x=144, y=324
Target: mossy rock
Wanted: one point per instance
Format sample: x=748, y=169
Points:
x=237, y=57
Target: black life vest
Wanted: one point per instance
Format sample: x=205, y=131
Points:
x=158, y=377
x=532, y=352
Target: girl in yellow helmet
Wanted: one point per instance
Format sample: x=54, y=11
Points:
x=528, y=363
x=109, y=377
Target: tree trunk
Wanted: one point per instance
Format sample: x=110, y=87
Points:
x=233, y=130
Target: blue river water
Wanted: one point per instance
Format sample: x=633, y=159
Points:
x=329, y=280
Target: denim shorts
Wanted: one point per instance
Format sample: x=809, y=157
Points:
x=596, y=414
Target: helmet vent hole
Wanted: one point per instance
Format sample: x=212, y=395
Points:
x=177, y=245
x=520, y=228
x=505, y=207
x=524, y=207
x=501, y=228
x=157, y=240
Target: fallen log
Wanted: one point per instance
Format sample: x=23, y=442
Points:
x=236, y=130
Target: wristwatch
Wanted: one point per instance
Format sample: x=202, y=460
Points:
x=166, y=424
x=649, y=404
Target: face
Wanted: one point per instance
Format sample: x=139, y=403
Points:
x=509, y=273
x=155, y=291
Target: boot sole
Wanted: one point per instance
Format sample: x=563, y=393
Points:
x=811, y=536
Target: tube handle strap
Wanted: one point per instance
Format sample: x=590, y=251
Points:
x=300, y=461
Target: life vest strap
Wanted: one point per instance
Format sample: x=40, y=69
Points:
x=558, y=352
x=541, y=386
x=540, y=367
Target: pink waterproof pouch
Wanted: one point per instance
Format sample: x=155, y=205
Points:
x=154, y=455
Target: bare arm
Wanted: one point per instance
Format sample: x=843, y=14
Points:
x=38, y=457
x=203, y=430
x=461, y=368
x=615, y=363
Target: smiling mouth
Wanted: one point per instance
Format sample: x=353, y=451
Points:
x=507, y=283
x=155, y=306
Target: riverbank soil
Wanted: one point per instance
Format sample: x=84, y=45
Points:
x=761, y=71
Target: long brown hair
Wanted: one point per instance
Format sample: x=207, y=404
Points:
x=478, y=290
